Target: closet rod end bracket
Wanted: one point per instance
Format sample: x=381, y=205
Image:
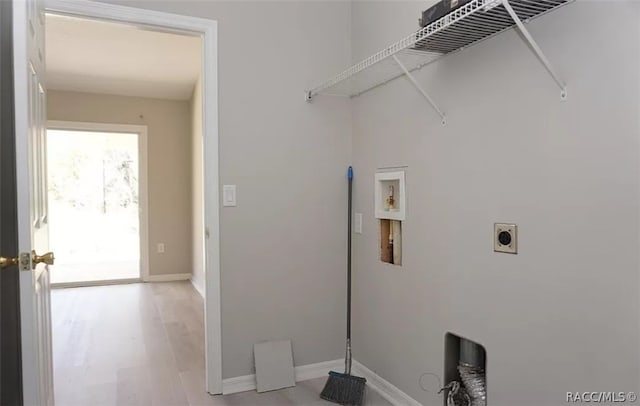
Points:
x=563, y=94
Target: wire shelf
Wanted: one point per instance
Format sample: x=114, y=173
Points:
x=475, y=21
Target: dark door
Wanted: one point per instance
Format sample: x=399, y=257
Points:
x=10, y=370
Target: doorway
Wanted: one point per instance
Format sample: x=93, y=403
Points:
x=97, y=208
x=207, y=85
x=29, y=120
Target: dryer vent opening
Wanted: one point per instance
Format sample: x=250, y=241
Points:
x=465, y=362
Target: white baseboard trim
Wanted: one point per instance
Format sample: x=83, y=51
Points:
x=64, y=285
x=172, y=277
x=385, y=388
x=303, y=373
x=313, y=371
x=239, y=384
x=197, y=288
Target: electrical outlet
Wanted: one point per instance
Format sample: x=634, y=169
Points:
x=505, y=238
x=160, y=248
x=358, y=223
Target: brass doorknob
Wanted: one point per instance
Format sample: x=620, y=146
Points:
x=47, y=258
x=7, y=262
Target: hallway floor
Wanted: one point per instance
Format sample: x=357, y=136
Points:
x=143, y=344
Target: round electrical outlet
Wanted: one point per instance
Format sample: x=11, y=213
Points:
x=504, y=237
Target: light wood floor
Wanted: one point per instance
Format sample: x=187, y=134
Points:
x=143, y=344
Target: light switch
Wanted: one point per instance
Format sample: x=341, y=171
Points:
x=358, y=223
x=229, y=195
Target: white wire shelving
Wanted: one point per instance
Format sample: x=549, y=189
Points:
x=474, y=22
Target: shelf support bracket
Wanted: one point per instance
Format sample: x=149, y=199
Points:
x=421, y=90
x=536, y=48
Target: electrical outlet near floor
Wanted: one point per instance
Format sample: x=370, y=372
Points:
x=160, y=248
x=505, y=238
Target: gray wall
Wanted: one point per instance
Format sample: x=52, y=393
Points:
x=283, y=247
x=560, y=316
x=168, y=164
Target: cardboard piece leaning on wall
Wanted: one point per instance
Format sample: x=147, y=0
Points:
x=274, y=365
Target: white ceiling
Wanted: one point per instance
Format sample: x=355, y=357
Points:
x=110, y=58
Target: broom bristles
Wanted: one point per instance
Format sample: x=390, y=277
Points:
x=344, y=389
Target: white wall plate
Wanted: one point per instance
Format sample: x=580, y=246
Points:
x=358, y=223
x=229, y=196
x=505, y=238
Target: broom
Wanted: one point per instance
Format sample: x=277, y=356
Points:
x=346, y=389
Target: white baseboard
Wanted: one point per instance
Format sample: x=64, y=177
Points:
x=385, y=388
x=303, y=373
x=64, y=285
x=239, y=384
x=197, y=288
x=313, y=371
x=172, y=277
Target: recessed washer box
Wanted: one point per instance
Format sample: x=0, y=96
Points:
x=505, y=238
x=390, y=195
